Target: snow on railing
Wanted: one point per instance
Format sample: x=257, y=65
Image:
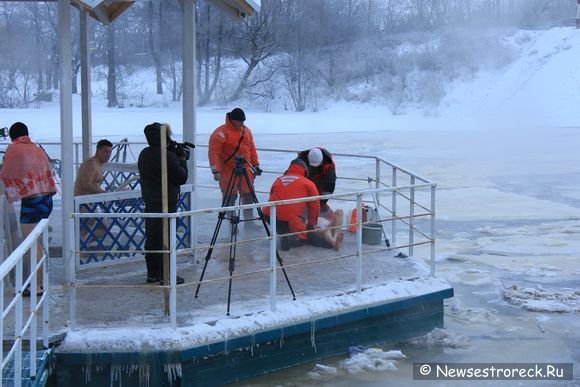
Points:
x=25, y=319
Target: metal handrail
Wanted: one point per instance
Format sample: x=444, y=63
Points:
x=273, y=268
x=26, y=322
x=386, y=178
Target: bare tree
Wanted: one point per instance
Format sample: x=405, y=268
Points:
x=308, y=45
x=111, y=68
x=259, y=42
x=210, y=49
x=298, y=80
x=154, y=49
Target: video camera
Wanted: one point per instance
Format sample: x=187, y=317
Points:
x=241, y=160
x=180, y=149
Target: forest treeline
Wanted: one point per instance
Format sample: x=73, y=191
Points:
x=293, y=53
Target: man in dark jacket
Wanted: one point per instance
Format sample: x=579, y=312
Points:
x=149, y=164
x=322, y=172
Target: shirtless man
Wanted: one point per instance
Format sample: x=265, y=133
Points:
x=90, y=173
x=329, y=226
x=88, y=181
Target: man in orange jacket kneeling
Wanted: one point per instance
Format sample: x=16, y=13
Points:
x=303, y=216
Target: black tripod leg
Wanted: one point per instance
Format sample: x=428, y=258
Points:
x=263, y=219
x=233, y=247
x=216, y=232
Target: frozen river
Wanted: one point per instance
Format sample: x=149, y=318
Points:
x=508, y=241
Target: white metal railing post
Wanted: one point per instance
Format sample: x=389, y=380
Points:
x=359, y=242
x=77, y=232
x=32, y=310
x=71, y=258
x=412, y=216
x=193, y=225
x=394, y=205
x=173, y=272
x=433, y=229
x=77, y=157
x=377, y=183
x=273, y=273
x=46, y=293
x=18, y=321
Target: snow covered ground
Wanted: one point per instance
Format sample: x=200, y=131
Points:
x=503, y=148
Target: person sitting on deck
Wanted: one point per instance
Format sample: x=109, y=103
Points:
x=303, y=216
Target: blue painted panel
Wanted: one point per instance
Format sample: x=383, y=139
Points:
x=123, y=234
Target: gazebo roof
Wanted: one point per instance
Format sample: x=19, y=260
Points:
x=238, y=8
x=104, y=11
x=108, y=10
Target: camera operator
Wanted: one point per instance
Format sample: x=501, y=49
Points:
x=226, y=142
x=149, y=164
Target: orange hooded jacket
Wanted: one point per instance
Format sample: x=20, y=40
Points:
x=222, y=148
x=293, y=185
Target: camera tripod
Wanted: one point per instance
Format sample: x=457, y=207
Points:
x=234, y=186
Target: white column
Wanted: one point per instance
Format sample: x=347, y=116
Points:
x=189, y=129
x=86, y=112
x=66, y=128
x=577, y=13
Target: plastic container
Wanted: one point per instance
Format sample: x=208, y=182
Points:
x=353, y=213
x=372, y=233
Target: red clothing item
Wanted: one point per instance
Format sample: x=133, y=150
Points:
x=26, y=170
x=223, y=143
x=293, y=185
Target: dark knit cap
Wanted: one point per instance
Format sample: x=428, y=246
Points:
x=18, y=129
x=237, y=114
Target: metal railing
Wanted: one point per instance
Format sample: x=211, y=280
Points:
x=402, y=202
x=412, y=206
x=25, y=318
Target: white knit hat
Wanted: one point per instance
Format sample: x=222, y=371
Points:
x=315, y=157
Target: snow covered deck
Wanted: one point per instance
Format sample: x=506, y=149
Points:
x=117, y=298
